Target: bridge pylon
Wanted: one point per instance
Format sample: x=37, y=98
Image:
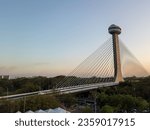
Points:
x=115, y=31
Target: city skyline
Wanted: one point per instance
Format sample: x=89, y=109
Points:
x=50, y=38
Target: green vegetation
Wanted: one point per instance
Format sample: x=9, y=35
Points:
x=29, y=103
x=131, y=96
x=86, y=109
x=107, y=109
x=23, y=85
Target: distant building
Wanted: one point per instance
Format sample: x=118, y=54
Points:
x=4, y=76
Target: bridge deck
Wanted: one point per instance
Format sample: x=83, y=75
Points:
x=65, y=90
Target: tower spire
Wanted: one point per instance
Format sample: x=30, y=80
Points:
x=115, y=31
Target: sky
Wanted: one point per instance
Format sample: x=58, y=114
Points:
x=52, y=37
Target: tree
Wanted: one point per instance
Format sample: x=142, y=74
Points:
x=68, y=100
x=141, y=104
x=86, y=109
x=107, y=109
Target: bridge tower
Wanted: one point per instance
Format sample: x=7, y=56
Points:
x=115, y=31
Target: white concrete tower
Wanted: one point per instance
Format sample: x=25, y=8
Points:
x=115, y=31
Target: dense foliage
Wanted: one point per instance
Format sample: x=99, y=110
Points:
x=131, y=96
x=23, y=85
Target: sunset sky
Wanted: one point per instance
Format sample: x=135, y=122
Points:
x=51, y=37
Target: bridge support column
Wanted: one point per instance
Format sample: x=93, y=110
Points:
x=115, y=31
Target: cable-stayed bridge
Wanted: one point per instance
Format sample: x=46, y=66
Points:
x=102, y=68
